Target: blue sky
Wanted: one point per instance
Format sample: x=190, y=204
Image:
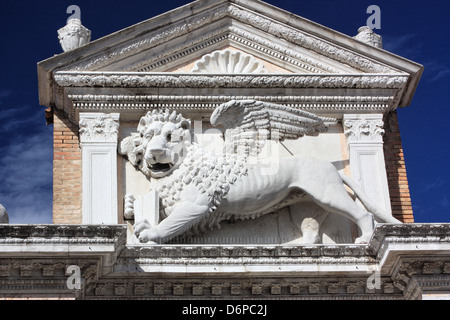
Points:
x=416, y=30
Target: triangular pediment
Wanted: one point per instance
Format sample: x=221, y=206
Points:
x=254, y=28
x=176, y=40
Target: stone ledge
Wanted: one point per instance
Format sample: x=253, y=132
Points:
x=61, y=231
x=410, y=260
x=102, y=243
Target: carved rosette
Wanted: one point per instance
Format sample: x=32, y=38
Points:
x=99, y=128
x=364, y=130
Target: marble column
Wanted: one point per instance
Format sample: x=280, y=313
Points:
x=364, y=133
x=98, y=137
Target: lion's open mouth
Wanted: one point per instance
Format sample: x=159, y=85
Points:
x=161, y=167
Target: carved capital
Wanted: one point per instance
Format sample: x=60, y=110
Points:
x=99, y=127
x=363, y=128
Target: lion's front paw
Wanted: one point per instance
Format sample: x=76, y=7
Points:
x=146, y=236
x=141, y=230
x=145, y=232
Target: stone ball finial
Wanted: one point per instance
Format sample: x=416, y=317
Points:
x=3, y=215
x=73, y=35
x=367, y=35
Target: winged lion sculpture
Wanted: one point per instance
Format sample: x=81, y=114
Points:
x=198, y=190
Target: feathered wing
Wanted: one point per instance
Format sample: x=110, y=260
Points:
x=249, y=124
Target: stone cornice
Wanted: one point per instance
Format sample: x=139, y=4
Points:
x=317, y=104
x=404, y=260
x=90, y=242
x=35, y=233
x=432, y=233
x=244, y=15
x=254, y=27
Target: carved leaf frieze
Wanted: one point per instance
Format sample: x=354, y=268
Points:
x=136, y=80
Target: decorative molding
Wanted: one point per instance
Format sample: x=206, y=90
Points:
x=411, y=259
x=224, y=98
x=292, y=288
x=334, y=253
x=163, y=34
x=174, y=80
x=228, y=61
x=238, y=37
x=99, y=127
x=64, y=234
x=427, y=233
x=207, y=17
x=307, y=41
x=98, y=136
x=364, y=133
x=364, y=129
x=337, y=104
x=275, y=51
x=176, y=54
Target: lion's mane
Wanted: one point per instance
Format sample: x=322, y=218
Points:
x=209, y=173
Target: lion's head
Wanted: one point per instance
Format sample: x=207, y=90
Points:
x=158, y=147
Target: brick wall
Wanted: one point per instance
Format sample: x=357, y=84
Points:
x=66, y=171
x=396, y=170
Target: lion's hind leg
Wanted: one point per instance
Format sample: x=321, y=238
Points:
x=335, y=199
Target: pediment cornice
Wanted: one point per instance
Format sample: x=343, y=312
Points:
x=180, y=36
x=231, y=24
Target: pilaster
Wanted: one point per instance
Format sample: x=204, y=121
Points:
x=364, y=133
x=98, y=137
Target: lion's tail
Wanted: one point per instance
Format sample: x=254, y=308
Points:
x=380, y=215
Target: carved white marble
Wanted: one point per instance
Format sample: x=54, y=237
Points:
x=364, y=134
x=228, y=61
x=98, y=137
x=73, y=35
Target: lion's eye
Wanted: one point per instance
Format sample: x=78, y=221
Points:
x=169, y=137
